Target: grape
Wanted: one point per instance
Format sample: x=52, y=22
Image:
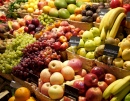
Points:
x=13, y=52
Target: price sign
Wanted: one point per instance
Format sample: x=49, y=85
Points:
x=103, y=12
x=74, y=41
x=111, y=50
x=128, y=16
x=71, y=93
x=33, y=78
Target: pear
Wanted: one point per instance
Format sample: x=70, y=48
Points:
x=124, y=44
x=72, y=49
x=82, y=52
x=110, y=40
x=99, y=51
x=125, y=54
x=126, y=65
x=118, y=62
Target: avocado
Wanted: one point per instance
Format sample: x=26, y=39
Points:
x=64, y=13
x=60, y=4
x=89, y=13
x=83, y=12
x=71, y=1
x=95, y=15
x=79, y=3
x=88, y=7
x=84, y=19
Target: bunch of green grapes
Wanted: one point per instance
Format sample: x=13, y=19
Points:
x=45, y=19
x=13, y=53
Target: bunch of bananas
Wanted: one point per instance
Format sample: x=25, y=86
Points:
x=118, y=89
x=110, y=23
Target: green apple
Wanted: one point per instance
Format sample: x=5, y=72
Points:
x=90, y=45
x=97, y=40
x=95, y=31
x=72, y=49
x=90, y=55
x=87, y=35
x=82, y=52
x=81, y=43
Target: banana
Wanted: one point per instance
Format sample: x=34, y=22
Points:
x=104, y=20
x=103, y=34
x=114, y=15
x=107, y=92
x=123, y=83
x=119, y=96
x=116, y=25
x=108, y=32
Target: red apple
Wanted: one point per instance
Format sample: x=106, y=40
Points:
x=109, y=78
x=127, y=7
x=90, y=80
x=64, y=23
x=62, y=39
x=68, y=35
x=76, y=64
x=56, y=45
x=102, y=85
x=60, y=33
x=66, y=28
x=45, y=87
x=81, y=98
x=64, y=46
x=40, y=83
x=93, y=94
x=15, y=25
x=36, y=22
x=26, y=29
x=28, y=22
x=100, y=72
x=41, y=4
x=79, y=84
x=115, y=3
x=65, y=98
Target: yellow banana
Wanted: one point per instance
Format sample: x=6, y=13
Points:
x=104, y=20
x=116, y=25
x=108, y=32
x=119, y=96
x=107, y=92
x=122, y=84
x=103, y=34
x=114, y=15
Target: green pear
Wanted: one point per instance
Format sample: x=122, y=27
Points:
x=90, y=45
x=95, y=31
x=124, y=44
x=72, y=49
x=90, y=55
x=118, y=62
x=97, y=40
x=87, y=35
x=126, y=65
x=125, y=54
x=81, y=43
x=82, y=52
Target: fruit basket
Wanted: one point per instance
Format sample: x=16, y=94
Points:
x=118, y=72
x=6, y=76
x=87, y=63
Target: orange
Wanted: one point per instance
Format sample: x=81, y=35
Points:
x=31, y=99
x=11, y=98
x=22, y=94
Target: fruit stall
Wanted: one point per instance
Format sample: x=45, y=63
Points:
x=64, y=50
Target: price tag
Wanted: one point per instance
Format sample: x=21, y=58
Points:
x=103, y=12
x=33, y=78
x=128, y=16
x=71, y=93
x=111, y=50
x=74, y=41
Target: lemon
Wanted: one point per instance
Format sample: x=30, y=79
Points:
x=30, y=10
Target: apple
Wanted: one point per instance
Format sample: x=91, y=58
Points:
x=77, y=77
x=89, y=45
x=28, y=17
x=31, y=27
x=79, y=84
x=118, y=62
x=116, y=3
x=66, y=28
x=102, y=85
x=90, y=80
x=68, y=35
x=64, y=46
x=93, y=94
x=65, y=63
x=97, y=40
x=81, y=98
x=36, y=22
x=99, y=71
x=72, y=49
x=68, y=73
x=55, y=66
x=56, y=45
x=127, y=7
x=41, y=4
x=95, y=31
x=45, y=87
x=21, y=21
x=55, y=92
x=27, y=22
x=15, y=25
x=62, y=39
x=109, y=78
x=45, y=75
x=40, y=83
x=76, y=64
x=81, y=43
x=87, y=35
x=70, y=83
x=56, y=78
x=37, y=12
x=82, y=72
x=90, y=55
x=64, y=23
x=26, y=29
x=65, y=98
x=82, y=52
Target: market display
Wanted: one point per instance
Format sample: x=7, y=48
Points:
x=66, y=50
